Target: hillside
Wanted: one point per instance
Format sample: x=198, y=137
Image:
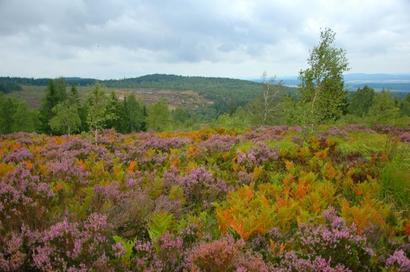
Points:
x=224, y=94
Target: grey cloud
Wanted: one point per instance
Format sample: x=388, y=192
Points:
x=160, y=35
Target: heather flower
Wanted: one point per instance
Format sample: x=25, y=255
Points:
x=12, y=256
x=63, y=199
x=19, y=155
x=266, y=133
x=130, y=213
x=399, y=260
x=258, y=155
x=74, y=148
x=170, y=252
x=358, y=128
x=335, y=131
x=219, y=143
x=405, y=137
x=164, y=144
x=164, y=203
x=22, y=198
x=337, y=242
x=118, y=249
x=200, y=186
x=225, y=254
x=66, y=169
x=245, y=177
x=292, y=262
x=110, y=192
x=66, y=243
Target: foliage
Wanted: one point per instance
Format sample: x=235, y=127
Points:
x=98, y=114
x=159, y=223
x=383, y=109
x=132, y=116
x=361, y=101
x=66, y=119
x=15, y=116
x=206, y=200
x=56, y=93
x=247, y=213
x=322, y=83
x=159, y=117
x=395, y=178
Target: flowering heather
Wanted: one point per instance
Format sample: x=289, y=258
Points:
x=66, y=243
x=258, y=155
x=405, y=137
x=291, y=262
x=12, y=257
x=219, y=143
x=399, y=260
x=66, y=169
x=225, y=254
x=163, y=144
x=335, y=131
x=200, y=186
x=206, y=200
x=22, y=199
x=358, y=128
x=19, y=155
x=337, y=242
x=266, y=133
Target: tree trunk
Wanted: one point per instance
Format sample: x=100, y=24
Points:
x=265, y=114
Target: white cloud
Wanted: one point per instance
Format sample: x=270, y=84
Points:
x=239, y=38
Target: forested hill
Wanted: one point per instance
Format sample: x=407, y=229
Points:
x=157, y=81
x=226, y=93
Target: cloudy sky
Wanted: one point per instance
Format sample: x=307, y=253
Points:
x=233, y=38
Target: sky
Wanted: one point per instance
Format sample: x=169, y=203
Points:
x=227, y=38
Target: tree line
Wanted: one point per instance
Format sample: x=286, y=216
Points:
x=64, y=111
x=321, y=97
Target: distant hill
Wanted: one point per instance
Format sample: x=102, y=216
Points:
x=392, y=82
x=223, y=94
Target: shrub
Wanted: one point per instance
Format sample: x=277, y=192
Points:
x=335, y=242
x=223, y=255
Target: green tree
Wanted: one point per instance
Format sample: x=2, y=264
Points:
x=56, y=93
x=97, y=110
x=66, y=119
x=322, y=84
x=361, y=101
x=159, y=117
x=15, y=116
x=405, y=105
x=74, y=96
x=383, y=109
x=7, y=110
x=24, y=118
x=134, y=117
x=144, y=124
x=114, y=107
x=181, y=118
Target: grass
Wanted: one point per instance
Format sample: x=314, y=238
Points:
x=395, y=178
